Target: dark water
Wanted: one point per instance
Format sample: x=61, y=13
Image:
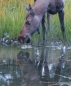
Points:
x=10, y=73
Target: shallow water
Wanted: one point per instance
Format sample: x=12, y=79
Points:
x=10, y=73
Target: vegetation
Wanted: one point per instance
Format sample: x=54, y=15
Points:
x=12, y=16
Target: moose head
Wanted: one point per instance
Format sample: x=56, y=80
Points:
x=31, y=25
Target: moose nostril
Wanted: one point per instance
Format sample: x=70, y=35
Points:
x=28, y=40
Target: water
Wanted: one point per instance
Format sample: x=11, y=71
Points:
x=10, y=73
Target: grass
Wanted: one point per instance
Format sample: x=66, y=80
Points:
x=12, y=16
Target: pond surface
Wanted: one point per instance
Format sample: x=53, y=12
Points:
x=10, y=73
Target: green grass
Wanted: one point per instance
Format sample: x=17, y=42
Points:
x=12, y=16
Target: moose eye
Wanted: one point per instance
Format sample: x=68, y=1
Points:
x=28, y=23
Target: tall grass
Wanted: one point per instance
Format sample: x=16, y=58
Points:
x=12, y=16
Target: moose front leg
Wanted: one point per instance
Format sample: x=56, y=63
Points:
x=61, y=18
x=48, y=20
x=43, y=28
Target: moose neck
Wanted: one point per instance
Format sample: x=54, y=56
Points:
x=40, y=7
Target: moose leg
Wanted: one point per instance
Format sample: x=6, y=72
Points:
x=61, y=18
x=34, y=0
x=43, y=28
x=48, y=20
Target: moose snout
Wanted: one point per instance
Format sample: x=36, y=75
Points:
x=24, y=39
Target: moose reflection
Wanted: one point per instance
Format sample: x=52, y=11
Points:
x=29, y=70
x=42, y=73
x=35, y=17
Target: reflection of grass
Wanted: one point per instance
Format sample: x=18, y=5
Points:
x=8, y=52
x=12, y=15
x=12, y=52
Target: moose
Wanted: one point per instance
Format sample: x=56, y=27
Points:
x=36, y=16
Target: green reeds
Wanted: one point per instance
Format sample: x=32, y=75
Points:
x=12, y=16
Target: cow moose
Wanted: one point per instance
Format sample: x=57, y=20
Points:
x=36, y=16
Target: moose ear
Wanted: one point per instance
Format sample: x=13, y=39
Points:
x=29, y=8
